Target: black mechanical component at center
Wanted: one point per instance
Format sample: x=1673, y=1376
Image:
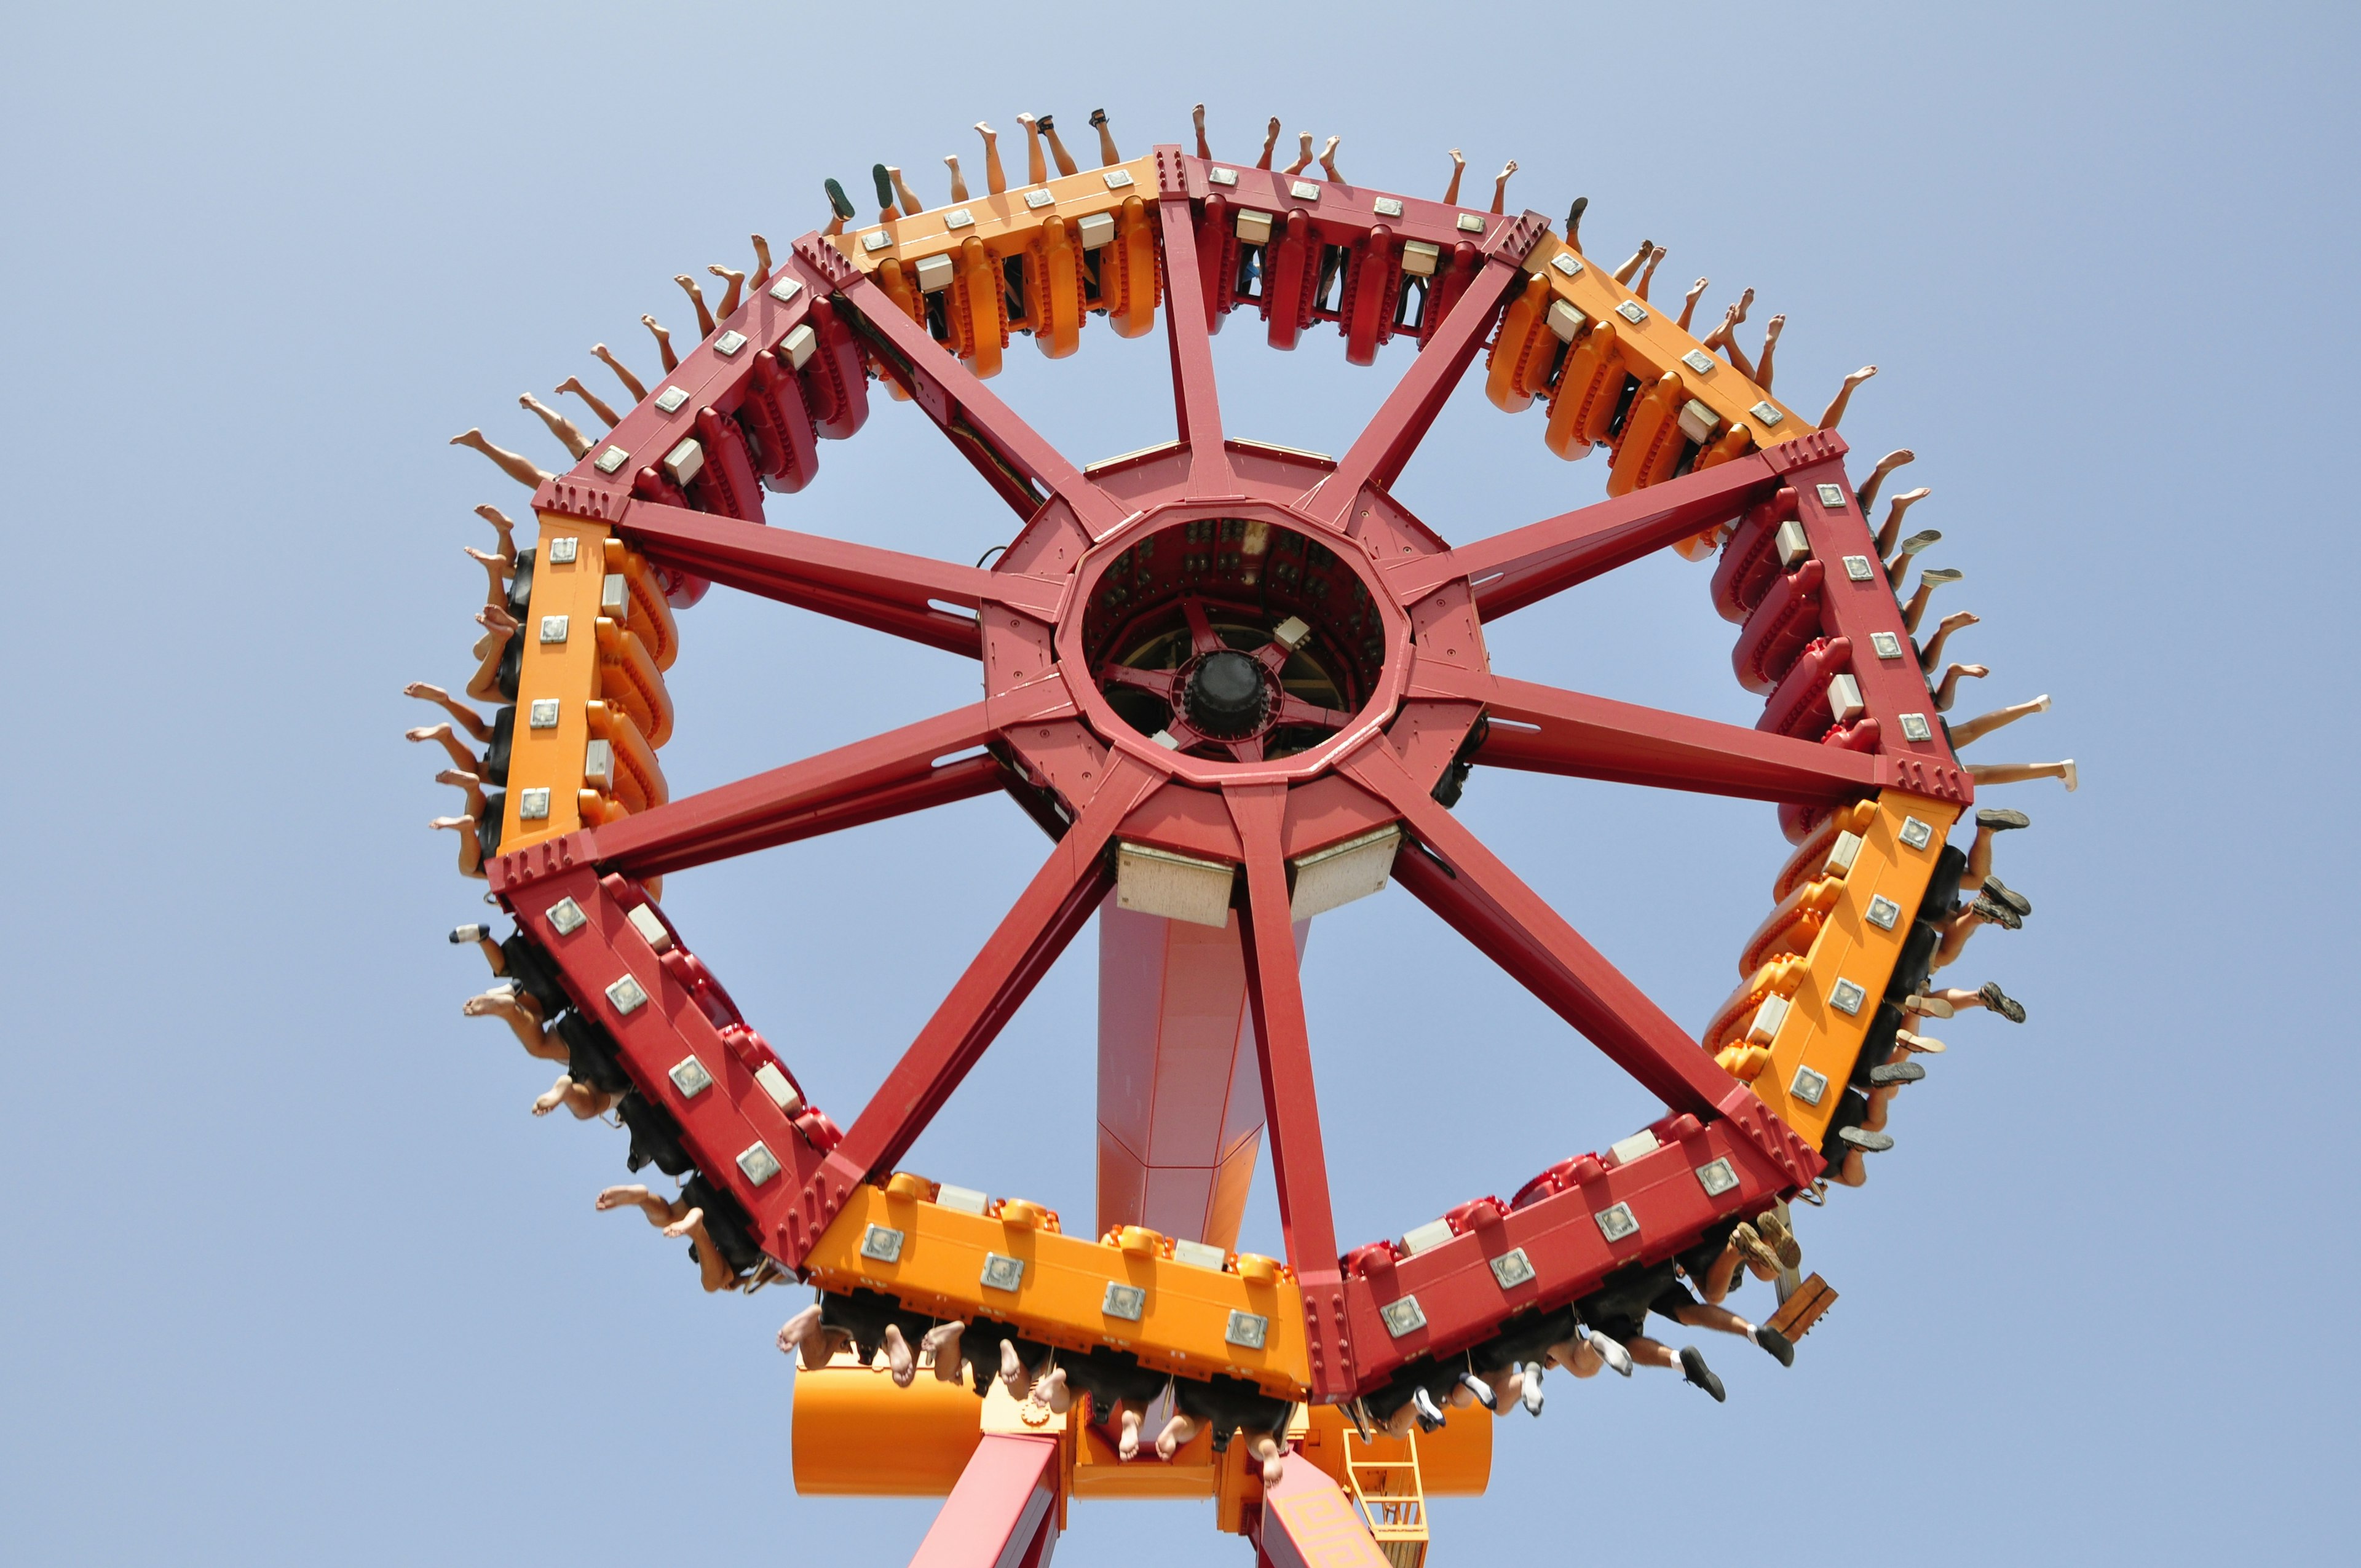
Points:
x=1226, y=695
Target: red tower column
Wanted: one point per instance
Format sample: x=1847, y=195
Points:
x=1180, y=1091
x=1002, y=1513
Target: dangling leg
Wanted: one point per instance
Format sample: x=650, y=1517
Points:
x=1303, y=153
x=840, y=207
x=734, y=294
x=1196, y=118
x=660, y=1212
x=461, y=715
x=1269, y=143
x=663, y=344
x=1948, y=690
x=568, y=433
x=515, y=465
x=1500, y=186
x=1890, y=531
x=471, y=785
x=1573, y=223
x=606, y=416
x=515, y=1009
x=1983, y=724
x=1631, y=270
x=631, y=383
x=994, y=180
x=1263, y=1446
x=1050, y=1389
x=504, y=529
x=1989, y=995
x=1866, y=497
x=1690, y=304
x=958, y=180
x=899, y=1361
x=1724, y=337
x=497, y=573
x=441, y=734
x=883, y=182
x=1770, y=346
x=1458, y=167
x=1036, y=162
x=903, y=194
x=1180, y=1430
x=797, y=1329
x=1930, y=579
x=713, y=1272
x=1057, y=153
x=1108, y=156
x=697, y=298
x=1835, y=411
x=1932, y=654
x=942, y=1343
x=761, y=262
x=1648, y=273
x=1328, y=158
x=584, y=1101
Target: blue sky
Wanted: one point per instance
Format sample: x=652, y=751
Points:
x=290, y=1274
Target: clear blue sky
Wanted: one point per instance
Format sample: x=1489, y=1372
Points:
x=288, y=1273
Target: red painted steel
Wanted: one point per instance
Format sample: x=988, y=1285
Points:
x=1085, y=773
x=1002, y=1513
x=1179, y=1081
x=1306, y=1521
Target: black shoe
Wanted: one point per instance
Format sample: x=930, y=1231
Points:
x=1430, y=1414
x=1481, y=1389
x=1866, y=1142
x=2001, y=1003
x=1778, y=1344
x=838, y=203
x=1987, y=907
x=1098, y=116
x=885, y=183
x=1046, y=123
x=1998, y=889
x=1692, y=1367
x=1895, y=1072
x=2000, y=819
x=463, y=935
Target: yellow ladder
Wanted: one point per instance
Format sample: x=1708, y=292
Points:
x=1392, y=1500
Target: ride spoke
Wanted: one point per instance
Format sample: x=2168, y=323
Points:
x=1158, y=683
x=1056, y=905
x=1275, y=993
x=1203, y=638
x=884, y=589
x=1196, y=403
x=1003, y=445
x=1387, y=443
x=1514, y=569
x=1547, y=730
x=1295, y=710
x=885, y=776
x=1479, y=897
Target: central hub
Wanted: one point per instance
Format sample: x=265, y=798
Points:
x=1225, y=696
x=1232, y=635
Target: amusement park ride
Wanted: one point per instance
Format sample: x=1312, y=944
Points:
x=1236, y=685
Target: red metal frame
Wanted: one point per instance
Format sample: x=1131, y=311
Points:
x=1054, y=740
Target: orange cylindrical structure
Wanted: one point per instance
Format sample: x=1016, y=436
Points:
x=857, y=1435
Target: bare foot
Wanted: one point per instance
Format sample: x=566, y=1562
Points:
x=1127, y=1445
x=1844, y=395
x=1179, y=1429
x=515, y=465
x=1197, y=118
x=899, y=1361
x=631, y=383
x=1012, y=1371
x=685, y=1224
x=501, y=526
x=797, y=1329
x=1500, y=186
x=1458, y=167
x=958, y=180
x=605, y=413
x=732, y=296
x=1269, y=142
x=1050, y=1389
x=1328, y=158
x=663, y=344
x=1302, y=153
x=696, y=297
x=942, y=1343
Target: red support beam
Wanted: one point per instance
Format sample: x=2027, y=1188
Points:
x=1307, y=1522
x=950, y=395
x=884, y=589
x=1547, y=730
x=1381, y=449
x=1856, y=604
x=1195, y=402
x=1486, y=903
x=1299, y=1163
x=1514, y=569
x=1004, y=1511
x=882, y=776
x=1056, y=905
